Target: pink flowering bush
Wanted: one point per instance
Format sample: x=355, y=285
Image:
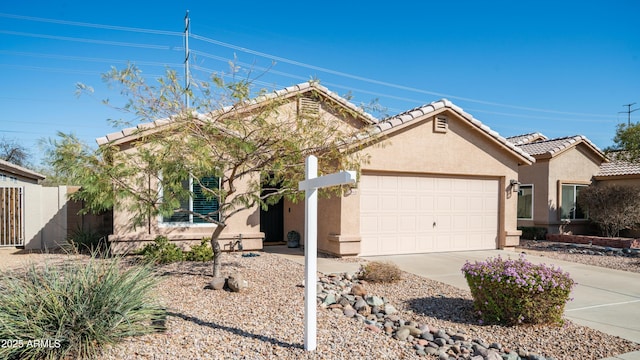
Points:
x=512, y=292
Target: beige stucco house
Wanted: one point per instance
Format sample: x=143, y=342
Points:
x=548, y=189
x=437, y=180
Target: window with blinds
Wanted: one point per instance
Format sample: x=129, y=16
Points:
x=201, y=202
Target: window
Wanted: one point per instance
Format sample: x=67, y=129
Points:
x=569, y=209
x=198, y=203
x=525, y=202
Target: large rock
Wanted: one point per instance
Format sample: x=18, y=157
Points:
x=216, y=284
x=236, y=282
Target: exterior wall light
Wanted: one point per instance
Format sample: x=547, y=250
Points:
x=515, y=185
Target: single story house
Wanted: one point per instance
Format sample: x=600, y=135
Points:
x=437, y=179
x=549, y=188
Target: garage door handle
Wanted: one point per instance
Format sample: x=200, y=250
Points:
x=434, y=224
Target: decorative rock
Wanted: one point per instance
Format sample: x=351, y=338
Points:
x=216, y=284
x=359, y=305
x=430, y=350
x=372, y=328
x=389, y=309
x=522, y=352
x=496, y=346
x=493, y=355
x=427, y=336
x=329, y=299
x=236, y=283
x=511, y=356
x=460, y=337
x=403, y=333
x=349, y=312
x=358, y=290
x=374, y=301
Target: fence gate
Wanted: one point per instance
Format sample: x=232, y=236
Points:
x=11, y=216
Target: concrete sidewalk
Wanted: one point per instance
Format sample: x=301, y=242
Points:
x=604, y=299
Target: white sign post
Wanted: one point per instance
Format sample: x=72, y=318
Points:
x=311, y=186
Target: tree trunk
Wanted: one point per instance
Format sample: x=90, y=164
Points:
x=215, y=245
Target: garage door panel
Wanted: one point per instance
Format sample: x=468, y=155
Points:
x=409, y=214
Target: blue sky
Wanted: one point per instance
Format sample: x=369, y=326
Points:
x=558, y=67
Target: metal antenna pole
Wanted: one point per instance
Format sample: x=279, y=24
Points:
x=629, y=111
x=187, y=79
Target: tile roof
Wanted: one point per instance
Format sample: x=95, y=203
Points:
x=527, y=138
x=618, y=167
x=427, y=110
x=553, y=147
x=286, y=92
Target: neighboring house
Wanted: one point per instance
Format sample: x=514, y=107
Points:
x=549, y=188
x=441, y=181
x=618, y=171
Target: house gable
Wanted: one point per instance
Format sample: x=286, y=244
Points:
x=293, y=100
x=443, y=138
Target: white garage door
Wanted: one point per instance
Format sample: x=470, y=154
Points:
x=412, y=214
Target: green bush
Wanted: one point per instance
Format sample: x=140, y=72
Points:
x=533, y=232
x=88, y=241
x=202, y=252
x=514, y=292
x=162, y=251
x=380, y=272
x=74, y=310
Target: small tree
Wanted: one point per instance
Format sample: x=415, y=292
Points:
x=627, y=143
x=612, y=207
x=248, y=140
x=14, y=152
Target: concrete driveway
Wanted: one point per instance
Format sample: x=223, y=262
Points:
x=604, y=299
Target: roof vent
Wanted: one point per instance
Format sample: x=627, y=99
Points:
x=308, y=108
x=440, y=124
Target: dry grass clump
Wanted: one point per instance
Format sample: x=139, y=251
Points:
x=380, y=272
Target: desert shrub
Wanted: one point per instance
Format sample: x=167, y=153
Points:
x=74, y=310
x=380, y=272
x=612, y=207
x=88, y=241
x=514, y=292
x=533, y=232
x=162, y=251
x=202, y=252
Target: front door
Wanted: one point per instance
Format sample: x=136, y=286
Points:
x=272, y=223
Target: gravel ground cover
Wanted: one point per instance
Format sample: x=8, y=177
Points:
x=619, y=259
x=266, y=321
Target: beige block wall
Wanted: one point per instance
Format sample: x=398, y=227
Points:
x=45, y=210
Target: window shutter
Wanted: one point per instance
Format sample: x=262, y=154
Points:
x=201, y=204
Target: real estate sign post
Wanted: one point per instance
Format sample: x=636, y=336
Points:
x=310, y=187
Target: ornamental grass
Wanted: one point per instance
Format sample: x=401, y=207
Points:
x=75, y=309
